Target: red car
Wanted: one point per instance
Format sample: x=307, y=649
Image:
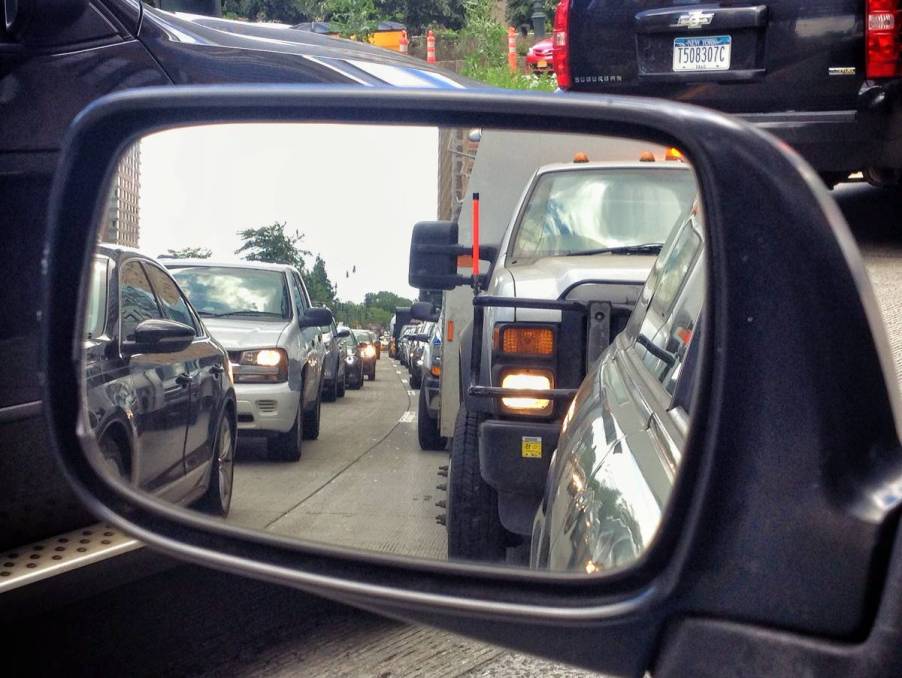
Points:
x=540, y=57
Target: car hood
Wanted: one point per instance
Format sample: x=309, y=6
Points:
x=239, y=335
x=349, y=59
x=553, y=277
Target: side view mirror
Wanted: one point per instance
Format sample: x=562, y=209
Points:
x=36, y=22
x=159, y=336
x=424, y=310
x=316, y=317
x=341, y=334
x=434, y=251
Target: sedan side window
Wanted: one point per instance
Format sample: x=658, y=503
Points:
x=136, y=299
x=170, y=297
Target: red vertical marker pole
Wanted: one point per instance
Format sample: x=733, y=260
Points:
x=430, y=47
x=475, y=239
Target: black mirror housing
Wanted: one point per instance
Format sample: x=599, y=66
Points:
x=433, y=256
x=341, y=334
x=424, y=310
x=159, y=336
x=316, y=317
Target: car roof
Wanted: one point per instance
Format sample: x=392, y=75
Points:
x=613, y=165
x=259, y=265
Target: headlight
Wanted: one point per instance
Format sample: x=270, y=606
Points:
x=527, y=379
x=369, y=351
x=265, y=365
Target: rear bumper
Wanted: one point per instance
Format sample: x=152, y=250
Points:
x=514, y=457
x=835, y=141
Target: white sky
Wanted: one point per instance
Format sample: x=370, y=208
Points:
x=355, y=191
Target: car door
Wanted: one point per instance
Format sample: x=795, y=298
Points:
x=160, y=387
x=203, y=362
x=310, y=341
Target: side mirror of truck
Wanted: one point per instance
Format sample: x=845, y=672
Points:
x=433, y=256
x=424, y=310
x=316, y=317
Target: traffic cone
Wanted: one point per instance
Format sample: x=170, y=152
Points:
x=430, y=47
x=512, y=48
x=403, y=42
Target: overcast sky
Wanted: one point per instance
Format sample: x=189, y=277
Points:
x=354, y=191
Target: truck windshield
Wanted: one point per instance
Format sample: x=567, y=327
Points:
x=583, y=211
x=225, y=291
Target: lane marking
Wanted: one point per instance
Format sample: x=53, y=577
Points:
x=408, y=417
x=412, y=393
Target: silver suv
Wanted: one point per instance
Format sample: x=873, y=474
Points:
x=567, y=275
x=262, y=315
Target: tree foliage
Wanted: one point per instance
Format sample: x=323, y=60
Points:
x=519, y=12
x=188, y=253
x=283, y=11
x=374, y=313
x=273, y=245
x=320, y=288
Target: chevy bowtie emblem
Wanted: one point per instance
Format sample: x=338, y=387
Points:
x=695, y=19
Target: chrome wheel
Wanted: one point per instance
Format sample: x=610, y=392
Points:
x=225, y=464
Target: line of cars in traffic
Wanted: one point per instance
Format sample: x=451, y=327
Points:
x=183, y=356
x=577, y=371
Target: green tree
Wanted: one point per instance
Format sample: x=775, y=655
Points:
x=282, y=11
x=188, y=253
x=519, y=12
x=271, y=244
x=352, y=18
x=320, y=288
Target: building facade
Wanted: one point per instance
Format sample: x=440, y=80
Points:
x=121, y=226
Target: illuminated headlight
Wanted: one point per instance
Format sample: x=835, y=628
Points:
x=350, y=359
x=527, y=379
x=369, y=351
x=265, y=365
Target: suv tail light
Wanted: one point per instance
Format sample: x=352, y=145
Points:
x=881, y=39
x=561, y=44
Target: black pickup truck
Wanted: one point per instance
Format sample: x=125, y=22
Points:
x=823, y=75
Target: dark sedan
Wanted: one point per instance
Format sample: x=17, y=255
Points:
x=366, y=346
x=161, y=403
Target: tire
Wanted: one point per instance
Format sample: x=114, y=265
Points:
x=427, y=427
x=311, y=418
x=373, y=372
x=218, y=497
x=330, y=392
x=287, y=446
x=415, y=381
x=115, y=455
x=340, y=386
x=474, y=529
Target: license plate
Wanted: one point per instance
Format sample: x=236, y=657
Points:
x=542, y=64
x=710, y=53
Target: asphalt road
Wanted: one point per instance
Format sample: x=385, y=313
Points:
x=193, y=621
x=364, y=483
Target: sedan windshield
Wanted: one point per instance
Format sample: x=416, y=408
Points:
x=592, y=211
x=224, y=291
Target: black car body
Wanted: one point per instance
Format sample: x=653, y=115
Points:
x=418, y=343
x=162, y=407
x=823, y=76
x=333, y=363
x=366, y=350
x=353, y=368
x=50, y=69
x=611, y=476
x=429, y=406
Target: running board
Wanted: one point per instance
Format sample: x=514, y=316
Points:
x=63, y=553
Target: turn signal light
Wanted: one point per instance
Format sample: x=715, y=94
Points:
x=674, y=154
x=882, y=39
x=528, y=340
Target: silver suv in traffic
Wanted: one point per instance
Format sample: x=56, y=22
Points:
x=262, y=315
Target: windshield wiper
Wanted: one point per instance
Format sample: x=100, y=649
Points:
x=245, y=312
x=645, y=248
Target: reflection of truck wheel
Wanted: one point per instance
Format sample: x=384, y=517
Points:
x=474, y=529
x=340, y=387
x=373, y=372
x=427, y=427
x=416, y=381
x=115, y=454
x=287, y=446
x=311, y=419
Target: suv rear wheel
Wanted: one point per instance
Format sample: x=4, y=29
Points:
x=427, y=427
x=474, y=528
x=311, y=418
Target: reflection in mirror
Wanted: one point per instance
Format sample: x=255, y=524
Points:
x=250, y=349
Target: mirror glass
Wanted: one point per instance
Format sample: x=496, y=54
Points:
x=249, y=348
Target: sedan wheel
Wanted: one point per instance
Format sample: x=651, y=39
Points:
x=218, y=498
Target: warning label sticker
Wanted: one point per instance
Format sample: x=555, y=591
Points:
x=531, y=447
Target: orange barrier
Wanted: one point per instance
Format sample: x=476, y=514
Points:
x=430, y=47
x=512, y=48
